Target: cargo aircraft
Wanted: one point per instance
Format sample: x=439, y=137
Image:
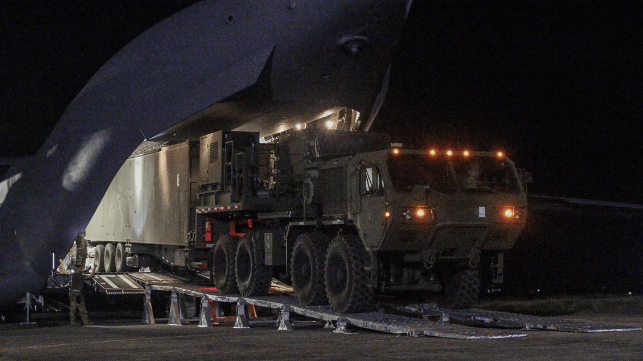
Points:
x=264, y=66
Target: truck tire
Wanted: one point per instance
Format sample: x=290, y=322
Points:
x=307, y=268
x=99, y=258
x=253, y=279
x=110, y=258
x=223, y=264
x=119, y=258
x=462, y=289
x=347, y=281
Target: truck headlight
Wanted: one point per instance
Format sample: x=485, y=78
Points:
x=417, y=214
x=510, y=214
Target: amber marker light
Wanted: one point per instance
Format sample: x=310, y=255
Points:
x=466, y=153
x=387, y=214
x=396, y=151
x=432, y=152
x=449, y=153
x=499, y=154
x=420, y=213
x=508, y=212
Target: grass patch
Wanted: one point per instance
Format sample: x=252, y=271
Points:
x=566, y=305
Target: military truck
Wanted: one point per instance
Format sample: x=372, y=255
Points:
x=341, y=215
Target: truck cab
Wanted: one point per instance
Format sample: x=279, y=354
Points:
x=438, y=206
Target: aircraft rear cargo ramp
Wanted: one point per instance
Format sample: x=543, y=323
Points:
x=117, y=284
x=130, y=283
x=416, y=321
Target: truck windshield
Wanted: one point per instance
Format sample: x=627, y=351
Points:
x=472, y=175
x=485, y=175
x=410, y=170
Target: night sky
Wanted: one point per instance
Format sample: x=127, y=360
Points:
x=556, y=84
x=50, y=49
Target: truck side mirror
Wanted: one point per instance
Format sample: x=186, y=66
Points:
x=525, y=178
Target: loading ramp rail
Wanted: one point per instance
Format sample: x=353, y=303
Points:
x=412, y=320
x=286, y=305
x=484, y=318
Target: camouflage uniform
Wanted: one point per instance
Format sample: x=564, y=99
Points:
x=81, y=249
x=77, y=299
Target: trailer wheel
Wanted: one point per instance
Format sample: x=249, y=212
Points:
x=99, y=258
x=253, y=279
x=119, y=258
x=462, y=289
x=307, y=268
x=347, y=281
x=223, y=264
x=110, y=258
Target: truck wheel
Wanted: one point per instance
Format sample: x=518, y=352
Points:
x=347, y=282
x=307, y=268
x=462, y=290
x=223, y=264
x=253, y=279
x=119, y=258
x=110, y=258
x=99, y=258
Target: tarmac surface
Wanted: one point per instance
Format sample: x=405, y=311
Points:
x=128, y=339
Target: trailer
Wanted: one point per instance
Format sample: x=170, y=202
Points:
x=340, y=215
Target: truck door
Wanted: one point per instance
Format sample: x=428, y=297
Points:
x=370, y=218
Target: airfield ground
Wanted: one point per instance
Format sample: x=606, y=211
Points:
x=128, y=339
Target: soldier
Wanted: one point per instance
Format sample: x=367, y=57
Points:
x=81, y=249
x=76, y=297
